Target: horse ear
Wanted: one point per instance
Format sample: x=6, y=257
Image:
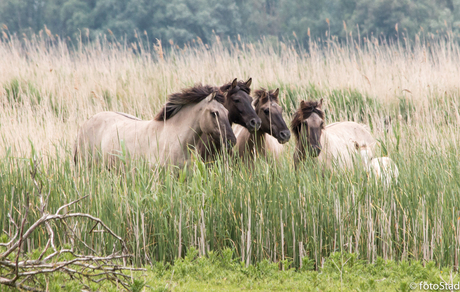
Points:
x=249, y=82
x=275, y=94
x=234, y=83
x=258, y=99
x=320, y=103
x=263, y=95
x=210, y=97
x=302, y=104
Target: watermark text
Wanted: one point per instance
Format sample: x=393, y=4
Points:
x=441, y=286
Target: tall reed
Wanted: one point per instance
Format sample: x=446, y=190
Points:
x=407, y=93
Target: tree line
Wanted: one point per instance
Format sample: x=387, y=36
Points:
x=181, y=21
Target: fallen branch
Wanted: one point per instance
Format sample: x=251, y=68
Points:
x=22, y=273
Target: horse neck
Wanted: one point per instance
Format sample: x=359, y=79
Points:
x=301, y=152
x=257, y=141
x=185, y=125
x=207, y=147
x=301, y=148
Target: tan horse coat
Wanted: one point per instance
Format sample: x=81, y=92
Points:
x=382, y=168
x=160, y=142
x=261, y=143
x=338, y=147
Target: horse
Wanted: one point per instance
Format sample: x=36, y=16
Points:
x=273, y=131
x=331, y=145
x=237, y=101
x=166, y=139
x=382, y=168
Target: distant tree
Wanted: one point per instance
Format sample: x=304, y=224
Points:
x=75, y=16
x=184, y=20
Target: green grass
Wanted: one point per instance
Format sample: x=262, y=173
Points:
x=221, y=272
x=339, y=104
x=240, y=225
x=340, y=272
x=268, y=211
x=270, y=215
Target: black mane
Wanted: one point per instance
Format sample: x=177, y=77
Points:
x=189, y=95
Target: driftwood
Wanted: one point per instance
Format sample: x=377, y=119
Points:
x=81, y=266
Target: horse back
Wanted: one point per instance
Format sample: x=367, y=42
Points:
x=103, y=131
x=338, y=140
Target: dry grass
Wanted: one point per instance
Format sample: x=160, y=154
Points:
x=46, y=92
x=73, y=85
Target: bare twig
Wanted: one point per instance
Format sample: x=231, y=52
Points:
x=22, y=274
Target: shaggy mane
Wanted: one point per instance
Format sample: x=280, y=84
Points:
x=241, y=84
x=189, y=95
x=303, y=113
x=258, y=94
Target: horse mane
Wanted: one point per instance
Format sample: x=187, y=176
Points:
x=241, y=84
x=303, y=113
x=189, y=95
x=258, y=96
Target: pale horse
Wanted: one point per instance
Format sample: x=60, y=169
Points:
x=382, y=168
x=167, y=139
x=331, y=145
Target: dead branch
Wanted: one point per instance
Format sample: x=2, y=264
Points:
x=21, y=272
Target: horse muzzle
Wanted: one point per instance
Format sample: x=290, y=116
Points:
x=284, y=136
x=254, y=124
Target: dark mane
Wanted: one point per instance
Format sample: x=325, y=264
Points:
x=258, y=94
x=241, y=84
x=303, y=113
x=189, y=95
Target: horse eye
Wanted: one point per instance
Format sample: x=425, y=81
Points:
x=236, y=100
x=215, y=114
x=266, y=111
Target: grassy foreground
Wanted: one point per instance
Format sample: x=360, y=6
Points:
x=221, y=272
x=268, y=213
x=340, y=272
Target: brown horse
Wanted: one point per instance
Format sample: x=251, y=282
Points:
x=237, y=101
x=332, y=144
x=187, y=115
x=273, y=125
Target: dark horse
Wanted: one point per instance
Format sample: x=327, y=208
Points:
x=237, y=101
x=273, y=125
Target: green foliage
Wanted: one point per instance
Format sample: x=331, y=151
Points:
x=323, y=210
x=340, y=104
x=13, y=91
x=107, y=98
x=182, y=21
x=16, y=90
x=353, y=274
x=3, y=238
x=220, y=203
x=406, y=108
x=137, y=285
x=34, y=94
x=356, y=106
x=308, y=264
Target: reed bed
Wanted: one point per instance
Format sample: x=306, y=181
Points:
x=407, y=93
